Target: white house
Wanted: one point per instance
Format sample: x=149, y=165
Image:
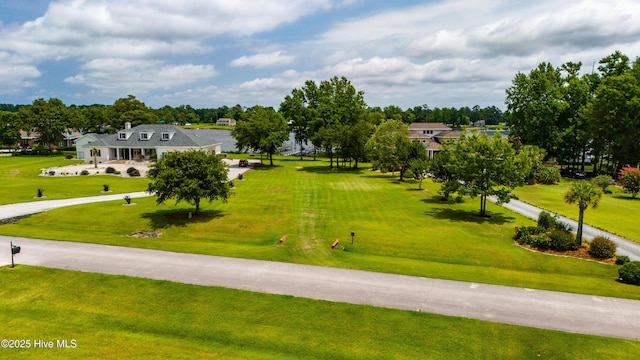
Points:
x=142, y=143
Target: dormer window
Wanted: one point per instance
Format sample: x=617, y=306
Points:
x=123, y=135
x=166, y=136
x=146, y=135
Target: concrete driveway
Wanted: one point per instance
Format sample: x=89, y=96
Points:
x=587, y=314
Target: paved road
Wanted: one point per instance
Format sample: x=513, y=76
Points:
x=625, y=246
x=586, y=314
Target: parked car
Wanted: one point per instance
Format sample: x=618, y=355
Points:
x=244, y=163
x=579, y=175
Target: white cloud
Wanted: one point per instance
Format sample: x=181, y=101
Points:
x=138, y=76
x=274, y=59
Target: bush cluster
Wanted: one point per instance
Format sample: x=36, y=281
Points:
x=561, y=240
x=546, y=221
x=133, y=172
x=630, y=273
x=602, y=248
x=84, y=172
x=549, y=175
x=540, y=238
x=110, y=170
x=622, y=259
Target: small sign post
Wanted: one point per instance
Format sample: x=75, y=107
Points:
x=352, y=235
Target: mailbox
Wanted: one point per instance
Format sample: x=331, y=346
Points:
x=15, y=249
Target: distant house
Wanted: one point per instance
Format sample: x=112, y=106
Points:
x=143, y=142
x=226, y=122
x=432, y=135
x=30, y=138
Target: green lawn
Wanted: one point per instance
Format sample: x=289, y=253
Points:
x=19, y=176
x=115, y=317
x=616, y=213
x=398, y=229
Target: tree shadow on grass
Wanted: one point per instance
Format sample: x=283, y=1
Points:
x=625, y=197
x=315, y=169
x=456, y=215
x=164, y=219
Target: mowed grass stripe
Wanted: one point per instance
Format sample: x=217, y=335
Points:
x=398, y=229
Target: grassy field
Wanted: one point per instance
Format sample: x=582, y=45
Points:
x=616, y=213
x=20, y=180
x=398, y=229
x=115, y=317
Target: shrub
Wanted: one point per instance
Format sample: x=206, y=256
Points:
x=110, y=170
x=40, y=192
x=127, y=198
x=69, y=157
x=523, y=236
x=52, y=173
x=603, y=181
x=546, y=221
x=116, y=173
x=105, y=187
x=133, y=171
x=561, y=240
x=630, y=273
x=602, y=248
x=622, y=259
x=629, y=178
x=84, y=172
x=549, y=175
x=562, y=226
x=541, y=241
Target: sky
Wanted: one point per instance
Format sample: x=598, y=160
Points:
x=210, y=53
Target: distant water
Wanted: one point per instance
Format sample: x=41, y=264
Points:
x=229, y=143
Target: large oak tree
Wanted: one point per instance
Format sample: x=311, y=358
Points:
x=189, y=176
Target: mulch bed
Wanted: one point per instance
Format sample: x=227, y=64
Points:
x=581, y=253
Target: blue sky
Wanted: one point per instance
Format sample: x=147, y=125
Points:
x=209, y=53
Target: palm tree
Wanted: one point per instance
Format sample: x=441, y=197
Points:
x=583, y=193
x=95, y=157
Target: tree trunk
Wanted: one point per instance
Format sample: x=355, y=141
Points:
x=197, y=206
x=579, y=231
x=482, y=205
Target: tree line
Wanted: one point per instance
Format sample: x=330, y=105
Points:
x=577, y=118
x=52, y=117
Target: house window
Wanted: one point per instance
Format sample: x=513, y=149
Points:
x=144, y=136
x=96, y=154
x=166, y=136
x=122, y=136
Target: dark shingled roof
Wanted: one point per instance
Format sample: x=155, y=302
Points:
x=179, y=138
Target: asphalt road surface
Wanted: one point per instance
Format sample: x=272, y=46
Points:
x=587, y=314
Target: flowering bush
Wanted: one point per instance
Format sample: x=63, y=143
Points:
x=629, y=178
